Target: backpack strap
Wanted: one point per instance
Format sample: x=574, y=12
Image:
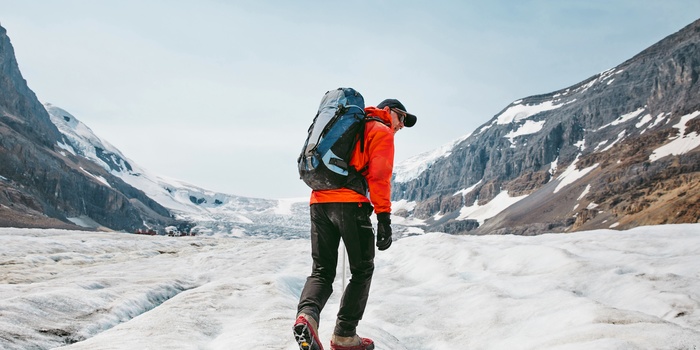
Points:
x=362, y=130
x=356, y=180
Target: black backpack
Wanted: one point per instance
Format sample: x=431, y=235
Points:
x=324, y=162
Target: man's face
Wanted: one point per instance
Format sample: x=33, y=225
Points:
x=397, y=118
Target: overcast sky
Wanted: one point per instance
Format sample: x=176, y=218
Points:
x=221, y=93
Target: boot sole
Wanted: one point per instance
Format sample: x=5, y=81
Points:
x=304, y=338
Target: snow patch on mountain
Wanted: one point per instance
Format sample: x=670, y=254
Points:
x=409, y=225
x=643, y=121
x=529, y=127
x=659, y=118
x=584, y=193
x=517, y=111
x=623, y=118
x=85, y=221
x=582, y=196
x=486, y=127
x=553, y=166
x=97, y=177
x=602, y=77
x=466, y=191
x=682, y=143
x=571, y=174
x=403, y=204
x=481, y=213
x=620, y=137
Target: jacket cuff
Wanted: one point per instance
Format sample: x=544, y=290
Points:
x=384, y=218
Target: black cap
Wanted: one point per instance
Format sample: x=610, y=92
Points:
x=394, y=103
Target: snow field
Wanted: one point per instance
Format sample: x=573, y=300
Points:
x=604, y=289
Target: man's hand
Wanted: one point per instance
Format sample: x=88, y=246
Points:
x=383, y=231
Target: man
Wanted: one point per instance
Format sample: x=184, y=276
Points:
x=345, y=214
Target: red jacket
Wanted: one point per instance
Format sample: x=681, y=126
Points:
x=377, y=158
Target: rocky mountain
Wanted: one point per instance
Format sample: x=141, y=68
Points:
x=55, y=172
x=619, y=150
x=204, y=211
x=43, y=186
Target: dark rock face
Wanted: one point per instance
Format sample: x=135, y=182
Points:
x=614, y=119
x=20, y=110
x=42, y=187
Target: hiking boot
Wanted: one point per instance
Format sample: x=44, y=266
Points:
x=305, y=329
x=351, y=343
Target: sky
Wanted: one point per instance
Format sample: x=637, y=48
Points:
x=220, y=94
x=605, y=289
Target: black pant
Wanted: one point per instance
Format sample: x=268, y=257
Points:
x=329, y=223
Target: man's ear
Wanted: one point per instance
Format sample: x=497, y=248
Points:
x=387, y=108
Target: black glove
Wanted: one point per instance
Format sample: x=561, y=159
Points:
x=383, y=231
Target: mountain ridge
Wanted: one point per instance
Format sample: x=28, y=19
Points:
x=534, y=140
x=198, y=210
x=70, y=178
x=616, y=150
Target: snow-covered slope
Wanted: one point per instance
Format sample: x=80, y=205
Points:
x=637, y=289
x=211, y=211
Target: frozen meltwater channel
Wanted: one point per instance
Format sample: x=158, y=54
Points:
x=637, y=289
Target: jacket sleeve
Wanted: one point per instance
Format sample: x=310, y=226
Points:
x=381, y=166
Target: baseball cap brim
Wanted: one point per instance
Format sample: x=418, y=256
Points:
x=410, y=120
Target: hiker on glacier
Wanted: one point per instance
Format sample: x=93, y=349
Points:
x=344, y=213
